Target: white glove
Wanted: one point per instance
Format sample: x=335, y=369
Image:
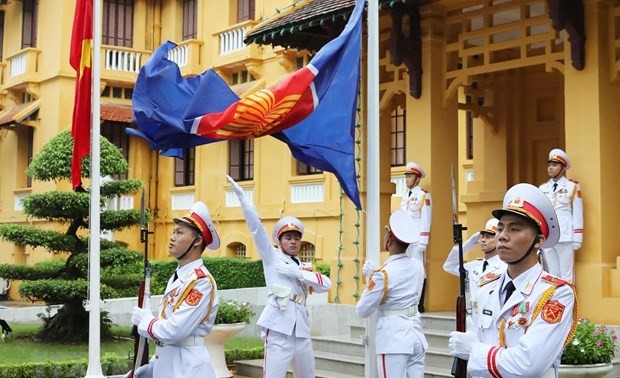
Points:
x=576, y=246
x=144, y=371
x=289, y=270
x=137, y=314
x=422, y=248
x=236, y=189
x=472, y=242
x=460, y=343
x=368, y=268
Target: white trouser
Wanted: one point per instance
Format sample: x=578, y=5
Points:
x=282, y=351
x=402, y=365
x=560, y=260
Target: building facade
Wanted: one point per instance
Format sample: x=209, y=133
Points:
x=486, y=86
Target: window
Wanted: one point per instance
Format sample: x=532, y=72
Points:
x=29, y=152
x=306, y=252
x=1, y=33
x=245, y=10
x=236, y=250
x=184, y=168
x=189, y=19
x=305, y=169
x=115, y=133
x=398, y=120
x=117, y=27
x=241, y=159
x=29, y=23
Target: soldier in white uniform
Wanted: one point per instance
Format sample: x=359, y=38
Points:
x=565, y=195
x=189, y=305
x=394, y=291
x=491, y=262
x=417, y=203
x=285, y=322
x=524, y=316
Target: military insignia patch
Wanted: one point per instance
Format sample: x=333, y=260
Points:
x=371, y=284
x=552, y=312
x=193, y=298
x=489, y=277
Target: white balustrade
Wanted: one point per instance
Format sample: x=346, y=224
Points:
x=182, y=201
x=400, y=185
x=121, y=60
x=18, y=64
x=179, y=55
x=307, y=193
x=232, y=200
x=232, y=40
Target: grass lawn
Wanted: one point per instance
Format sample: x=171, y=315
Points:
x=24, y=347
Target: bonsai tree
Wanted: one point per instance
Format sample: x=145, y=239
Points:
x=65, y=281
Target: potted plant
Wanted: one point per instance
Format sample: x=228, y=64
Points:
x=590, y=352
x=232, y=317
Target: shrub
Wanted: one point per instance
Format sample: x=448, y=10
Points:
x=231, y=311
x=592, y=344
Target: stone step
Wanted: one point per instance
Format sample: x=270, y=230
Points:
x=437, y=338
x=341, y=363
x=254, y=368
x=343, y=344
x=438, y=357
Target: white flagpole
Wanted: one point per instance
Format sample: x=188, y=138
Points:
x=372, y=198
x=94, y=329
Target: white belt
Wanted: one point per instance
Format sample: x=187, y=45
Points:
x=188, y=341
x=411, y=311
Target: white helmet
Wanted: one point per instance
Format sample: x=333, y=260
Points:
x=284, y=225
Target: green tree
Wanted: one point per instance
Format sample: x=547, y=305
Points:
x=65, y=282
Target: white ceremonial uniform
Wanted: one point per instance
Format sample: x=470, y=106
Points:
x=417, y=203
x=186, y=315
x=568, y=205
x=285, y=321
x=525, y=337
x=473, y=268
x=394, y=291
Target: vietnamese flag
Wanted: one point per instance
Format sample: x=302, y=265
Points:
x=81, y=60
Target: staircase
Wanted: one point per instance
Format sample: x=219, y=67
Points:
x=342, y=356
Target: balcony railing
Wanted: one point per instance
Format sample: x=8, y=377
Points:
x=22, y=67
x=231, y=40
x=187, y=56
x=122, y=60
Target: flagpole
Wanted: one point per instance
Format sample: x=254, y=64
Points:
x=94, y=329
x=372, y=198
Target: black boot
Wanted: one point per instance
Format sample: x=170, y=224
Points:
x=421, y=303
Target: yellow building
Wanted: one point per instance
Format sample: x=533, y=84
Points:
x=487, y=86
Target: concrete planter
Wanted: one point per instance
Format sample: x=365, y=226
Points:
x=215, y=345
x=589, y=371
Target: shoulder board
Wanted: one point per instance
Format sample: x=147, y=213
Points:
x=489, y=277
x=200, y=273
x=424, y=190
x=573, y=181
x=478, y=259
x=554, y=280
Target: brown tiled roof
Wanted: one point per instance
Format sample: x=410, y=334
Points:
x=116, y=113
x=310, y=19
x=19, y=113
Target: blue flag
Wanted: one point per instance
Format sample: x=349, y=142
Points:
x=313, y=110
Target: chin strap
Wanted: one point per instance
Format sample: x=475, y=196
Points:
x=188, y=248
x=526, y=253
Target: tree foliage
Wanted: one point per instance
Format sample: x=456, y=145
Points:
x=66, y=282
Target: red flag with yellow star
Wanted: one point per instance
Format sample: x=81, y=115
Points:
x=81, y=60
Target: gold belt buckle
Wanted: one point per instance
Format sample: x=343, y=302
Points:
x=297, y=298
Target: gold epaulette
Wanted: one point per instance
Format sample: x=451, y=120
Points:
x=489, y=277
x=574, y=181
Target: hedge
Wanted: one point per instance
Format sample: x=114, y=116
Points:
x=111, y=364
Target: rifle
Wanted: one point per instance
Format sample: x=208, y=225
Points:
x=459, y=366
x=141, y=345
